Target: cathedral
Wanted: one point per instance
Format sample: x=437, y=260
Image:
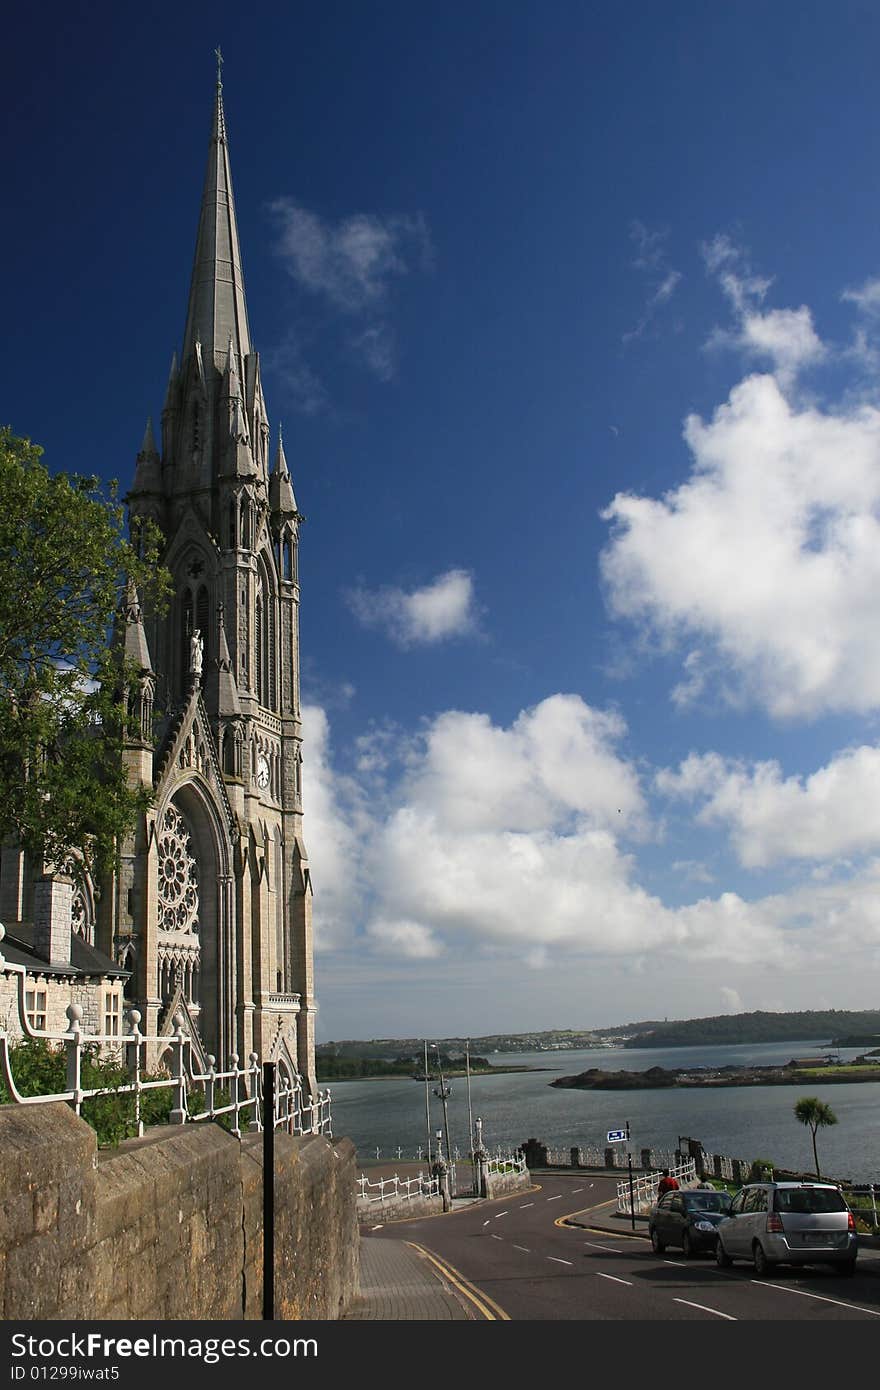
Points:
x=208, y=916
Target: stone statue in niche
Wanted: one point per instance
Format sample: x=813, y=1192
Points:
x=196, y=652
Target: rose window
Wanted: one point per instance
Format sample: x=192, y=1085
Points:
x=178, y=876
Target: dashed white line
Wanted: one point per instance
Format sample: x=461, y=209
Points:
x=525, y=1249
x=494, y=1237
x=486, y=1222
x=501, y=1213
x=576, y=1190
x=822, y=1299
x=615, y=1279
x=703, y=1309
x=611, y=1248
x=679, y=1264
x=376, y=1228
x=526, y=1204
x=558, y=1198
x=558, y=1262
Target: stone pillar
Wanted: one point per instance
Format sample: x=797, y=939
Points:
x=535, y=1153
x=717, y=1165
x=610, y=1157
x=440, y=1170
x=575, y=1157
x=736, y=1170
x=53, y=898
x=647, y=1158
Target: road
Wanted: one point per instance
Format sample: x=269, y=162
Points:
x=530, y=1265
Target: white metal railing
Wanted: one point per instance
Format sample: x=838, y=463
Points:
x=644, y=1188
x=194, y=1093
x=507, y=1163
x=397, y=1189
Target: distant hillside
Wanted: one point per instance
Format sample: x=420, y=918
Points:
x=815, y=1026
x=820, y=1026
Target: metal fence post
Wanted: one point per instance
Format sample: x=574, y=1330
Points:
x=269, y=1191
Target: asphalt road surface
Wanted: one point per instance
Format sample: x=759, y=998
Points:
x=519, y=1254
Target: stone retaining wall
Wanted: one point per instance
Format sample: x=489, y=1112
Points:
x=500, y=1184
x=168, y=1226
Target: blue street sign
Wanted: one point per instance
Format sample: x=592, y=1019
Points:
x=616, y=1136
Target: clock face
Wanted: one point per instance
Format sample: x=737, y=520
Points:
x=262, y=771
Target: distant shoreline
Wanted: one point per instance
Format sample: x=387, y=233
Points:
x=447, y=1075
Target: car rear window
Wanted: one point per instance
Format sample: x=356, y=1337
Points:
x=806, y=1201
x=707, y=1201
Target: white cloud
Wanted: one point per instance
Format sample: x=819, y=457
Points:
x=733, y=1003
x=443, y=609
x=651, y=258
x=866, y=298
x=352, y=262
x=501, y=846
x=352, y=266
x=768, y=555
x=784, y=336
x=771, y=818
x=336, y=826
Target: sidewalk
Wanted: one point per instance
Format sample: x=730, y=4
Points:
x=399, y=1283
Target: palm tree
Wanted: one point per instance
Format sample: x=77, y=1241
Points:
x=814, y=1112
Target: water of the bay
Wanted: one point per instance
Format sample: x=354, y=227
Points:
x=387, y=1114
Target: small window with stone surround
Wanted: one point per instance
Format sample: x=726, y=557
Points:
x=35, y=1008
x=111, y=1015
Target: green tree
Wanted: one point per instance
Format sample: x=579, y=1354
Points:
x=814, y=1113
x=65, y=563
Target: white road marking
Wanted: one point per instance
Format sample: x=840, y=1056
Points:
x=526, y=1204
x=558, y=1262
x=615, y=1279
x=494, y=1237
x=703, y=1309
x=578, y=1189
x=524, y=1248
x=501, y=1213
x=557, y=1198
x=856, y=1307
x=612, y=1248
x=375, y=1228
x=679, y=1264
x=486, y=1222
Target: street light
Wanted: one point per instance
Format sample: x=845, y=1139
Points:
x=443, y=1092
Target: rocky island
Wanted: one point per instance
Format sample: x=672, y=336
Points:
x=793, y=1073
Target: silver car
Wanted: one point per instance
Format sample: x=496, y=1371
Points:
x=801, y=1223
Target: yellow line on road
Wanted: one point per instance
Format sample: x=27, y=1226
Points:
x=491, y=1311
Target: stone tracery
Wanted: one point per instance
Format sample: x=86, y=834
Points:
x=178, y=876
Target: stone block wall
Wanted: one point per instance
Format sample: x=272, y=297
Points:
x=168, y=1226
x=500, y=1184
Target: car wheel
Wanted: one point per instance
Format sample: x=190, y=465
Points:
x=687, y=1248
x=846, y=1267
x=657, y=1245
x=722, y=1259
x=763, y=1266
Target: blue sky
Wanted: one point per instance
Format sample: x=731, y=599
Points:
x=571, y=313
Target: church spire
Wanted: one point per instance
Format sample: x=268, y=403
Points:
x=217, y=307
